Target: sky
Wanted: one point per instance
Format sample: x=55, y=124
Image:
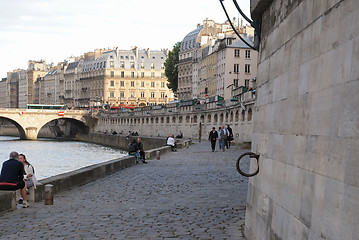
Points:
x=55, y=30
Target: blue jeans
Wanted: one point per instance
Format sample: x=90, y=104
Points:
x=220, y=143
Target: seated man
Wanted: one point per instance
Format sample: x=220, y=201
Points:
x=12, y=176
x=171, y=142
x=140, y=149
x=136, y=146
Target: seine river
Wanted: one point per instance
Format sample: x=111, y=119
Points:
x=50, y=157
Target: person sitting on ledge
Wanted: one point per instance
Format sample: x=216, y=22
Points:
x=12, y=176
x=136, y=146
x=29, y=175
x=180, y=135
x=171, y=142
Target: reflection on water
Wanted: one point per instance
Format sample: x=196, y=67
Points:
x=50, y=157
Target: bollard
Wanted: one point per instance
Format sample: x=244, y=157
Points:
x=158, y=155
x=49, y=197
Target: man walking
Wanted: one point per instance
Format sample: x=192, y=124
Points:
x=213, y=135
x=12, y=176
x=224, y=137
x=230, y=136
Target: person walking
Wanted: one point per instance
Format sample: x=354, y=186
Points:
x=224, y=137
x=213, y=135
x=219, y=138
x=230, y=136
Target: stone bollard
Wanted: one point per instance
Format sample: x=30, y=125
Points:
x=49, y=197
x=158, y=155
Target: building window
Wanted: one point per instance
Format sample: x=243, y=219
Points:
x=142, y=74
x=235, y=82
x=162, y=66
x=162, y=84
x=122, y=74
x=162, y=95
x=246, y=82
x=132, y=74
x=152, y=74
x=132, y=94
x=112, y=73
x=132, y=57
x=132, y=83
x=142, y=84
x=112, y=94
x=112, y=83
x=236, y=68
x=153, y=84
x=112, y=64
x=152, y=65
x=142, y=94
x=236, y=53
x=121, y=57
x=122, y=64
x=132, y=64
x=122, y=83
x=122, y=94
x=248, y=54
x=142, y=65
x=162, y=75
x=247, y=68
x=152, y=94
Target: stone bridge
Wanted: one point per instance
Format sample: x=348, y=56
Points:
x=30, y=121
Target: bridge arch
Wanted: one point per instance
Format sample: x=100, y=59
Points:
x=73, y=126
x=21, y=130
x=30, y=121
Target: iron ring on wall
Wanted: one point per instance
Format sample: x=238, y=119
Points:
x=251, y=155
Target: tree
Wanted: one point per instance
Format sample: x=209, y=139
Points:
x=171, y=67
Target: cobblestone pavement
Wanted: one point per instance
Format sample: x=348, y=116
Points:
x=189, y=194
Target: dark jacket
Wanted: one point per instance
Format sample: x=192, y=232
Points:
x=135, y=146
x=132, y=147
x=12, y=171
x=213, y=135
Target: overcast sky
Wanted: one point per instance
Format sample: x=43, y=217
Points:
x=54, y=30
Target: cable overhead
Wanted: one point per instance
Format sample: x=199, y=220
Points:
x=242, y=13
x=254, y=24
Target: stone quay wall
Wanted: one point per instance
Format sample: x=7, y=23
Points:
x=306, y=123
x=65, y=181
x=194, y=122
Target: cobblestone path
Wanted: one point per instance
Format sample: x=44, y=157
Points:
x=189, y=194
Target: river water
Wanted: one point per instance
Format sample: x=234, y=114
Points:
x=50, y=157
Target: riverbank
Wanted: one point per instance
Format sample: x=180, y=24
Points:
x=87, y=174
x=189, y=194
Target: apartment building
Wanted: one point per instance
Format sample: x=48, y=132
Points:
x=124, y=77
x=15, y=84
x=133, y=77
x=35, y=70
x=3, y=92
x=213, y=61
x=236, y=66
x=190, y=54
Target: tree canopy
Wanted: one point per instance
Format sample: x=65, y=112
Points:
x=171, y=67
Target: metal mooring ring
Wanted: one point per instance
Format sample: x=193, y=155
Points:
x=251, y=155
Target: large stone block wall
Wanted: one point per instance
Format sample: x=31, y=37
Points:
x=306, y=122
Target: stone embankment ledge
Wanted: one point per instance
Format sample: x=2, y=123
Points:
x=87, y=174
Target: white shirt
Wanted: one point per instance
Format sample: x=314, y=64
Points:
x=170, y=141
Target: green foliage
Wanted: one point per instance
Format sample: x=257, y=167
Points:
x=171, y=67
